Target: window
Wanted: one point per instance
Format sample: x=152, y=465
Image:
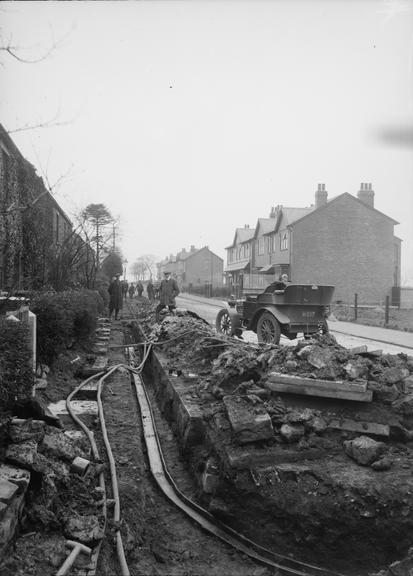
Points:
x=246, y=250
x=261, y=246
x=274, y=243
x=284, y=240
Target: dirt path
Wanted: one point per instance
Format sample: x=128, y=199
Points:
x=158, y=538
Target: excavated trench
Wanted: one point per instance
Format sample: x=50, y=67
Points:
x=332, y=485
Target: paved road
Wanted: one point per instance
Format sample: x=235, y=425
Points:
x=347, y=334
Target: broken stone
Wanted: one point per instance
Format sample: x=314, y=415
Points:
x=364, y=450
x=292, y=432
x=21, y=430
x=304, y=352
x=7, y=490
x=291, y=365
x=23, y=454
x=404, y=405
x=299, y=416
x=85, y=529
x=384, y=463
x=354, y=369
x=393, y=374
x=318, y=424
x=17, y=476
x=319, y=357
x=408, y=384
x=60, y=446
x=249, y=423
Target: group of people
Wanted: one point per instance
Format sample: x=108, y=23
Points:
x=118, y=290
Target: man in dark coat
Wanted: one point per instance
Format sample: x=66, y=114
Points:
x=115, y=296
x=168, y=291
x=150, y=291
x=139, y=288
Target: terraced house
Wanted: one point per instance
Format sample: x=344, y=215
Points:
x=344, y=241
x=32, y=224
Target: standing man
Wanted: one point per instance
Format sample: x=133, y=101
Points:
x=150, y=290
x=168, y=291
x=115, y=296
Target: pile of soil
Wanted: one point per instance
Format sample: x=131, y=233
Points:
x=340, y=484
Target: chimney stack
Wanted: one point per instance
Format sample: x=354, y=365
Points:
x=321, y=195
x=366, y=194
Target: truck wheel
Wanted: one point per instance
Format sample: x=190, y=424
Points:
x=268, y=329
x=224, y=324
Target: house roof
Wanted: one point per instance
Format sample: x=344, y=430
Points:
x=337, y=198
x=243, y=235
x=190, y=254
x=286, y=215
x=267, y=225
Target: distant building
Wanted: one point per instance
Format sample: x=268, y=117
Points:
x=195, y=267
x=344, y=241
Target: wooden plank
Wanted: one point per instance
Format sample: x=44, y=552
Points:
x=329, y=384
x=356, y=426
x=323, y=388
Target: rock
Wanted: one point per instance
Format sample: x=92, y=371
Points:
x=318, y=424
x=290, y=365
x=60, y=445
x=7, y=490
x=17, y=476
x=85, y=529
x=364, y=450
x=249, y=423
x=393, y=374
x=355, y=369
x=21, y=430
x=299, y=416
x=404, y=405
x=408, y=384
x=319, y=357
x=304, y=352
x=292, y=432
x=23, y=454
x=384, y=463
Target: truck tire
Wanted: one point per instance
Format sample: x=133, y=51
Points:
x=224, y=323
x=268, y=329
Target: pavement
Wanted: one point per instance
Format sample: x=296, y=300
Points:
x=378, y=333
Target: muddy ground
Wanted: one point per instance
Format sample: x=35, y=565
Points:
x=332, y=509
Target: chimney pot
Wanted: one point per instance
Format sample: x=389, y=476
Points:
x=366, y=194
x=321, y=195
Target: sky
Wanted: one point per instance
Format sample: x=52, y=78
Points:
x=188, y=119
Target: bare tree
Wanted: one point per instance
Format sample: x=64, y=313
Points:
x=144, y=267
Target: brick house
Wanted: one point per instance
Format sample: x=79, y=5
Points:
x=195, y=267
x=239, y=257
x=32, y=223
x=344, y=241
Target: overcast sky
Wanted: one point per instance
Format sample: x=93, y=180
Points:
x=189, y=119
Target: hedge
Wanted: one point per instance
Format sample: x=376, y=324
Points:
x=64, y=318
x=16, y=374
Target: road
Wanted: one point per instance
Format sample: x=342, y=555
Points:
x=208, y=310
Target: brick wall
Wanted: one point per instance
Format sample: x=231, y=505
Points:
x=348, y=245
x=202, y=267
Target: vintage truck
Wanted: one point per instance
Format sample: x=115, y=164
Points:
x=281, y=309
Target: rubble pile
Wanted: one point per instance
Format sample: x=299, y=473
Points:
x=59, y=498
x=188, y=341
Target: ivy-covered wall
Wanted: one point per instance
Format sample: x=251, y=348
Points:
x=27, y=222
